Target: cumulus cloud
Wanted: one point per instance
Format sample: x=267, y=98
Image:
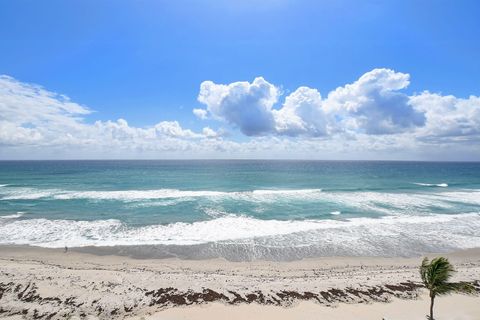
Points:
x=249, y=107
x=245, y=105
x=301, y=114
x=200, y=113
x=372, y=104
x=449, y=118
x=173, y=129
x=373, y=110
x=369, y=118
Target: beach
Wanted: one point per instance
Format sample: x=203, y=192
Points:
x=234, y=239
x=240, y=160
x=43, y=283
x=453, y=307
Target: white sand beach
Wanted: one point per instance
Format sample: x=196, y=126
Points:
x=51, y=284
x=455, y=307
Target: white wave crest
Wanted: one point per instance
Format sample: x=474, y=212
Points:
x=284, y=192
x=459, y=231
x=132, y=195
x=138, y=195
x=13, y=216
x=26, y=193
x=57, y=233
x=441, y=185
x=390, y=203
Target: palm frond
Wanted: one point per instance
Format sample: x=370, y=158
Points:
x=447, y=288
x=424, y=270
x=436, y=272
x=435, y=276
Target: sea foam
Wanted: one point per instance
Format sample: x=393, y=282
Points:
x=13, y=216
x=389, y=203
x=442, y=185
x=136, y=195
x=370, y=236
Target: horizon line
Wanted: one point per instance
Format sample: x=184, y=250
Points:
x=246, y=159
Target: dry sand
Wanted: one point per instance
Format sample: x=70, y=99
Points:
x=456, y=307
x=50, y=284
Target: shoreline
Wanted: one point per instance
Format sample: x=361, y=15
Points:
x=137, y=253
x=197, y=253
x=43, y=283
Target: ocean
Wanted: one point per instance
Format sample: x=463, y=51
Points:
x=242, y=209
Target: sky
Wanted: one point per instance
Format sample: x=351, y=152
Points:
x=270, y=79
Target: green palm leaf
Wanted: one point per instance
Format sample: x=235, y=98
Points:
x=435, y=276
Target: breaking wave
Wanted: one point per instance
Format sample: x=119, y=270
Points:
x=441, y=185
x=389, y=203
x=390, y=235
x=13, y=216
x=137, y=195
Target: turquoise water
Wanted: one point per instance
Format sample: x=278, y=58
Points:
x=243, y=209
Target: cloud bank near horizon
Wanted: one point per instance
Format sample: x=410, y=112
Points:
x=369, y=118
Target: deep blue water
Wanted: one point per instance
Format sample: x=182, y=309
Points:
x=319, y=207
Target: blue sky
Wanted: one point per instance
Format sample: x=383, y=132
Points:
x=144, y=61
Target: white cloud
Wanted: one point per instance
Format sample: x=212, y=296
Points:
x=200, y=113
x=448, y=118
x=301, y=114
x=23, y=103
x=373, y=105
x=248, y=106
x=245, y=105
x=373, y=111
x=369, y=118
x=210, y=133
x=31, y=116
x=13, y=135
x=174, y=130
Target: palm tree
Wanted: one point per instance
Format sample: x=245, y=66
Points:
x=435, y=275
